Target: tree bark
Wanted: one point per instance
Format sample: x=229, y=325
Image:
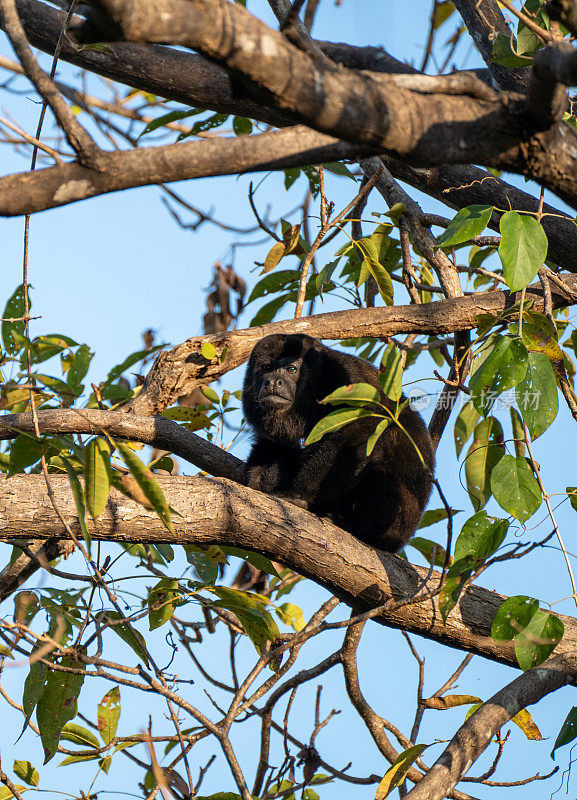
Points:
x=217, y=511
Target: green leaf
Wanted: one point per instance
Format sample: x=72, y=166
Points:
x=526, y=723
x=58, y=704
x=485, y=452
x=250, y=608
x=205, y=566
x=208, y=351
x=5, y=652
x=162, y=601
x=291, y=615
x=128, y=362
x=515, y=487
x=355, y=394
x=59, y=387
x=435, y=515
x=572, y=495
x=537, y=394
x=338, y=168
x=375, y=436
x=274, y=256
x=480, y=537
x=79, y=500
x=79, y=366
x=34, y=685
x=513, y=615
x=568, y=731
x=372, y=264
x=172, y=116
x=522, y=250
x=128, y=634
x=504, y=52
x=44, y=347
x=26, y=772
x=539, y=335
x=97, y=476
x=256, y=559
x=538, y=639
x=444, y=10
x=465, y=425
x=518, y=432
x=334, y=421
x=457, y=576
x=78, y=759
x=325, y=275
x=147, y=483
x=72, y=732
x=104, y=764
x=269, y=311
x=468, y=223
x=26, y=450
x=504, y=367
x=214, y=121
x=391, y=372
x=241, y=126
x=6, y=793
x=433, y=552
x=194, y=418
x=109, y=714
x=210, y=394
x=13, y=310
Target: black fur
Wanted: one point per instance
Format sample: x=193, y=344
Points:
x=378, y=498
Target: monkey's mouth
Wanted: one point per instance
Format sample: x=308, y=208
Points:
x=274, y=400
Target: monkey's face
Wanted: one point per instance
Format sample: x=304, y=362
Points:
x=278, y=383
x=280, y=390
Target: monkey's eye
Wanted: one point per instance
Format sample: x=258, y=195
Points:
x=291, y=368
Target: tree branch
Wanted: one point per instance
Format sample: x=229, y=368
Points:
x=158, y=432
x=358, y=107
x=476, y=733
x=178, y=371
x=553, y=68
x=79, y=139
x=195, y=80
x=217, y=511
x=28, y=193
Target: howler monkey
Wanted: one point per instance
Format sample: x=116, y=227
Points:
x=378, y=498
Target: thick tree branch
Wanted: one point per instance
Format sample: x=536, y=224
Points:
x=459, y=186
x=195, y=80
x=484, y=22
x=358, y=107
x=475, y=734
x=553, y=68
x=212, y=511
x=177, y=371
x=28, y=193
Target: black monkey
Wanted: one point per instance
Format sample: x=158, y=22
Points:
x=378, y=498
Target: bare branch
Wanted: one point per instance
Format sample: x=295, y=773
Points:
x=475, y=734
x=78, y=138
x=158, y=432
